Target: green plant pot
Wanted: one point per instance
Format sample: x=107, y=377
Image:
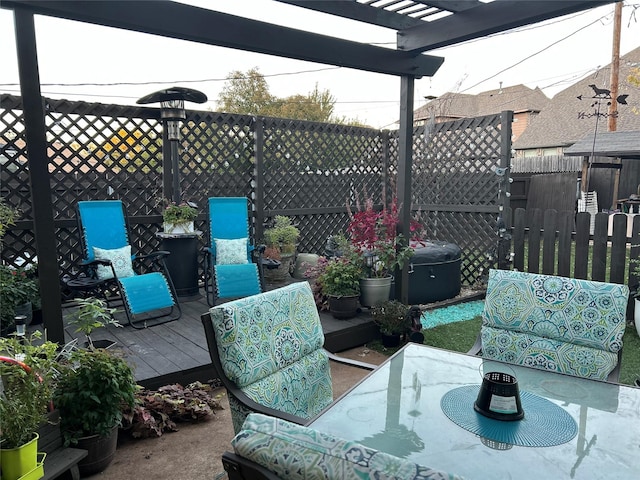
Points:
x=17, y=462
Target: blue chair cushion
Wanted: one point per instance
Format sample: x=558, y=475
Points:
x=237, y=280
x=144, y=293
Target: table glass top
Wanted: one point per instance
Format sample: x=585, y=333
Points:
x=397, y=409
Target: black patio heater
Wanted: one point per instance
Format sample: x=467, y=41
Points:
x=172, y=113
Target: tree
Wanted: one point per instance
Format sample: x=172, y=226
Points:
x=247, y=94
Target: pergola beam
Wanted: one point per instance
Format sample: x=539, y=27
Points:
x=487, y=19
x=186, y=22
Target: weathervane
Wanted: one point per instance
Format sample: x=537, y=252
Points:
x=601, y=94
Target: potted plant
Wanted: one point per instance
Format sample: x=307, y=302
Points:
x=26, y=372
x=179, y=217
x=280, y=240
x=93, y=389
x=18, y=292
x=93, y=313
x=340, y=282
x=391, y=317
x=379, y=247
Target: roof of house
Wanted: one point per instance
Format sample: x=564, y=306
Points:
x=570, y=115
x=518, y=98
x=607, y=144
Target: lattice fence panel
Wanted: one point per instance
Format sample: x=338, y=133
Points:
x=318, y=168
x=454, y=184
x=311, y=170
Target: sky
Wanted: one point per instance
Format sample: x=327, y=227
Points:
x=101, y=64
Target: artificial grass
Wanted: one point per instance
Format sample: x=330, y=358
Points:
x=460, y=337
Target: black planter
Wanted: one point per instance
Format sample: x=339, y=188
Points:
x=392, y=340
x=343, y=307
x=101, y=451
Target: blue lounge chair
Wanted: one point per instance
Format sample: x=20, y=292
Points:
x=142, y=281
x=233, y=266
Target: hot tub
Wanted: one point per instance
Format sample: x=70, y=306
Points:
x=434, y=272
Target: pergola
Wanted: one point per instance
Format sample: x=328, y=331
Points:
x=421, y=25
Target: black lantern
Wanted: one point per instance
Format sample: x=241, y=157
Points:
x=21, y=325
x=172, y=113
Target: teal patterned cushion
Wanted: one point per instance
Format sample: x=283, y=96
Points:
x=270, y=345
x=120, y=259
x=546, y=354
x=556, y=316
x=295, y=452
x=570, y=310
x=231, y=251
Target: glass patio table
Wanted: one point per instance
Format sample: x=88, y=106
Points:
x=400, y=409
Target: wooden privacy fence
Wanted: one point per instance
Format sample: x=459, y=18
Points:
x=551, y=246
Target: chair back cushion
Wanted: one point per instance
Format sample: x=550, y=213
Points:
x=229, y=220
x=555, y=323
x=103, y=225
x=296, y=452
x=270, y=346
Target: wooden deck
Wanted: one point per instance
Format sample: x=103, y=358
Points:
x=177, y=351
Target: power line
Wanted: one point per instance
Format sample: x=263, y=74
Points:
x=118, y=84
x=532, y=55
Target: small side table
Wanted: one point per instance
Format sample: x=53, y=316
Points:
x=182, y=262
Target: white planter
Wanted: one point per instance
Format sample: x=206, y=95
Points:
x=186, y=227
x=636, y=313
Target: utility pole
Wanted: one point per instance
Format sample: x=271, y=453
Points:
x=613, y=107
x=615, y=67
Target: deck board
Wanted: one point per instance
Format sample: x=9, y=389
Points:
x=177, y=351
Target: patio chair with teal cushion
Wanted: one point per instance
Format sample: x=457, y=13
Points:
x=142, y=281
x=560, y=324
x=233, y=266
x=268, y=352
